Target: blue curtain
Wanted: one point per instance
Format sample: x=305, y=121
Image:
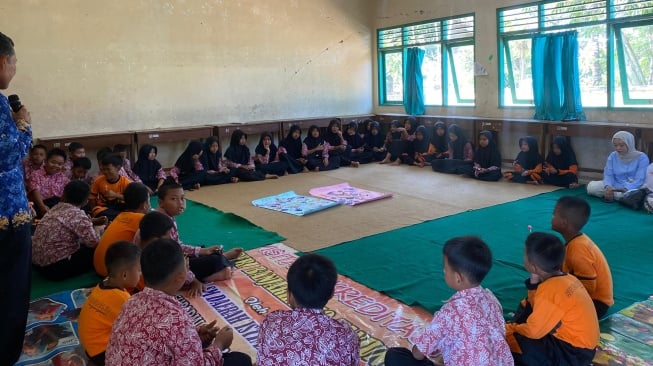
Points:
x=413, y=81
x=556, y=81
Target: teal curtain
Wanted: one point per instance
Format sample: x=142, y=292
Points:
x=556, y=81
x=413, y=81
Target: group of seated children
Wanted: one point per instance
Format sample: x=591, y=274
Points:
x=569, y=288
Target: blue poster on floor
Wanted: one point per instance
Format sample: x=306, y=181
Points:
x=51, y=335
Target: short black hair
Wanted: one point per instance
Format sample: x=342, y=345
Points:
x=575, y=210
x=6, y=45
x=164, y=189
x=102, y=153
x=135, y=195
x=120, y=148
x=154, y=225
x=545, y=251
x=56, y=152
x=76, y=192
x=112, y=159
x=311, y=280
x=39, y=146
x=469, y=255
x=120, y=255
x=74, y=146
x=82, y=162
x=160, y=260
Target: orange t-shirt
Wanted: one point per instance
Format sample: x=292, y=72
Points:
x=123, y=227
x=99, y=191
x=96, y=318
x=562, y=307
x=586, y=262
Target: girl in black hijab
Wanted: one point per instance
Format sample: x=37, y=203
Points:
x=487, y=160
x=188, y=170
x=395, y=142
x=290, y=150
x=527, y=167
x=267, y=157
x=561, y=167
x=337, y=144
x=211, y=159
x=440, y=140
x=422, y=148
x=316, y=151
x=149, y=169
x=239, y=159
x=357, y=154
x=460, y=158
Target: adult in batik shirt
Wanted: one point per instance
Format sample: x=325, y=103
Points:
x=305, y=335
x=15, y=261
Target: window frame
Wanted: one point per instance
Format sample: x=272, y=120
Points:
x=446, y=44
x=613, y=20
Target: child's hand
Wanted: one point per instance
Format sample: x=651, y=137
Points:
x=224, y=337
x=196, y=288
x=211, y=250
x=525, y=173
x=207, y=332
x=112, y=194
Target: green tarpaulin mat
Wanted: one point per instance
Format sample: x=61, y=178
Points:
x=198, y=225
x=406, y=263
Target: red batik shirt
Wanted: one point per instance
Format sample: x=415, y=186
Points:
x=306, y=337
x=469, y=330
x=60, y=233
x=153, y=329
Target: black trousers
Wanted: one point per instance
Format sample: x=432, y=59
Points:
x=79, y=263
x=15, y=284
x=398, y=356
x=550, y=350
x=206, y=265
x=236, y=359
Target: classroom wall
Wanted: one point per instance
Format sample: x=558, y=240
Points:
x=391, y=13
x=99, y=66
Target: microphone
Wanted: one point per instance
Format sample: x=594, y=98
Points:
x=14, y=102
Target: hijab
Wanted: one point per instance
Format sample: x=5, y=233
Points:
x=331, y=137
x=310, y=141
x=260, y=149
x=355, y=140
x=413, y=125
x=440, y=142
x=397, y=134
x=236, y=152
x=567, y=156
x=421, y=146
x=373, y=141
x=293, y=146
x=185, y=161
x=529, y=160
x=490, y=155
x=210, y=160
x=144, y=167
x=458, y=146
x=632, y=154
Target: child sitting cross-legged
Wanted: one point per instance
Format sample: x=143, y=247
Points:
x=166, y=336
x=323, y=341
x=65, y=239
x=469, y=328
x=103, y=305
x=208, y=264
x=557, y=323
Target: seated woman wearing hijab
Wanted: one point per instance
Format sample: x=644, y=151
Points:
x=487, y=160
x=211, y=159
x=560, y=166
x=624, y=170
x=267, y=156
x=188, y=171
x=460, y=158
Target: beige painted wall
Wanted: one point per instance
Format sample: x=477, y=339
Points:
x=90, y=66
x=392, y=12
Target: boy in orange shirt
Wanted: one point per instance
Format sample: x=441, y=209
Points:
x=105, y=301
x=560, y=325
x=583, y=258
x=125, y=225
x=106, y=197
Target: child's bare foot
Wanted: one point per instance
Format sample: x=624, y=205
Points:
x=396, y=162
x=234, y=179
x=223, y=275
x=271, y=176
x=533, y=182
x=196, y=186
x=317, y=169
x=304, y=169
x=233, y=253
x=384, y=161
x=355, y=164
x=574, y=185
